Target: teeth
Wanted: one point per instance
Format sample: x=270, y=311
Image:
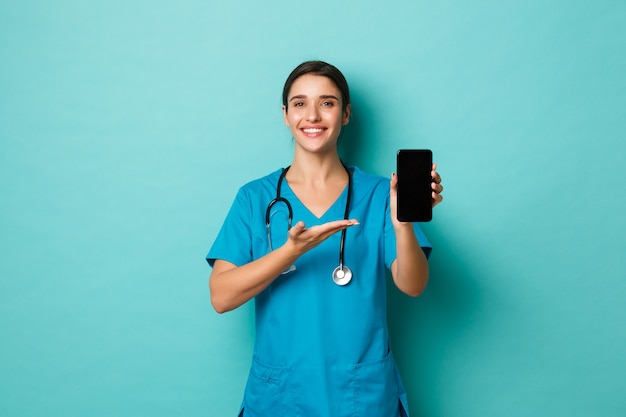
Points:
x=312, y=130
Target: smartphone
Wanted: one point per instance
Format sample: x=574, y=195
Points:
x=414, y=185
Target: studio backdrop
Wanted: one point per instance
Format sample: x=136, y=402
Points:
x=126, y=128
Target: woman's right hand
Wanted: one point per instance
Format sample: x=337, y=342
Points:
x=232, y=285
x=301, y=239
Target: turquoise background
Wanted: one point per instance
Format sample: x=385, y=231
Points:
x=126, y=128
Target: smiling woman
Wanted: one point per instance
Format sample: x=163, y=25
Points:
x=306, y=360
x=315, y=114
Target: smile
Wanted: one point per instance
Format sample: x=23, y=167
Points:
x=312, y=130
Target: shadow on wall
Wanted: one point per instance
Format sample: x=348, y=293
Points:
x=357, y=141
x=425, y=331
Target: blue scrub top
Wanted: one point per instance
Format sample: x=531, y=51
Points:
x=321, y=349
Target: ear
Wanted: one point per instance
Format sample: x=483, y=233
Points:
x=285, y=116
x=346, y=115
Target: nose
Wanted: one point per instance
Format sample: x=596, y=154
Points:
x=312, y=114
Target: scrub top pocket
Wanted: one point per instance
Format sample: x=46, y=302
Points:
x=265, y=391
x=376, y=389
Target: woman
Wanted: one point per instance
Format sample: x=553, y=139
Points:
x=321, y=349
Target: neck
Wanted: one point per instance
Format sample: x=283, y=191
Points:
x=316, y=168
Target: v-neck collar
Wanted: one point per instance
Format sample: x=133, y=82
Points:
x=338, y=206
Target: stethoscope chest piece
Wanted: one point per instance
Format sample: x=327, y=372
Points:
x=342, y=275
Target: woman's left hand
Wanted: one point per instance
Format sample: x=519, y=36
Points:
x=435, y=185
x=410, y=269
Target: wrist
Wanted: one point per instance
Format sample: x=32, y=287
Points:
x=290, y=251
x=403, y=227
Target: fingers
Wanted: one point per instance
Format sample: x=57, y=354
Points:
x=436, y=186
x=437, y=198
x=315, y=235
x=435, y=175
x=327, y=229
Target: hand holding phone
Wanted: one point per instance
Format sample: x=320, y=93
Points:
x=414, y=168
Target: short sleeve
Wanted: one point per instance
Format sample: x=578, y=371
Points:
x=390, y=239
x=233, y=242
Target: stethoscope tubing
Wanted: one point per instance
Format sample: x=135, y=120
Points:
x=276, y=200
x=345, y=275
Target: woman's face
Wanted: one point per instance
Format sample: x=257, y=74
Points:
x=314, y=113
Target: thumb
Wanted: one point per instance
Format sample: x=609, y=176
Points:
x=393, y=184
x=297, y=229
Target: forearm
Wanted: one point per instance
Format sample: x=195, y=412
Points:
x=410, y=269
x=232, y=286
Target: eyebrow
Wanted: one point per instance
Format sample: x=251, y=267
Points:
x=323, y=97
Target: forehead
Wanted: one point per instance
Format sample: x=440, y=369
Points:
x=313, y=85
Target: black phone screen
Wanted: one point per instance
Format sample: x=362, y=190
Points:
x=414, y=185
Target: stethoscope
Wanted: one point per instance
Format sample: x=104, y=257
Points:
x=342, y=274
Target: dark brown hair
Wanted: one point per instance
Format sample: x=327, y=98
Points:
x=323, y=69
